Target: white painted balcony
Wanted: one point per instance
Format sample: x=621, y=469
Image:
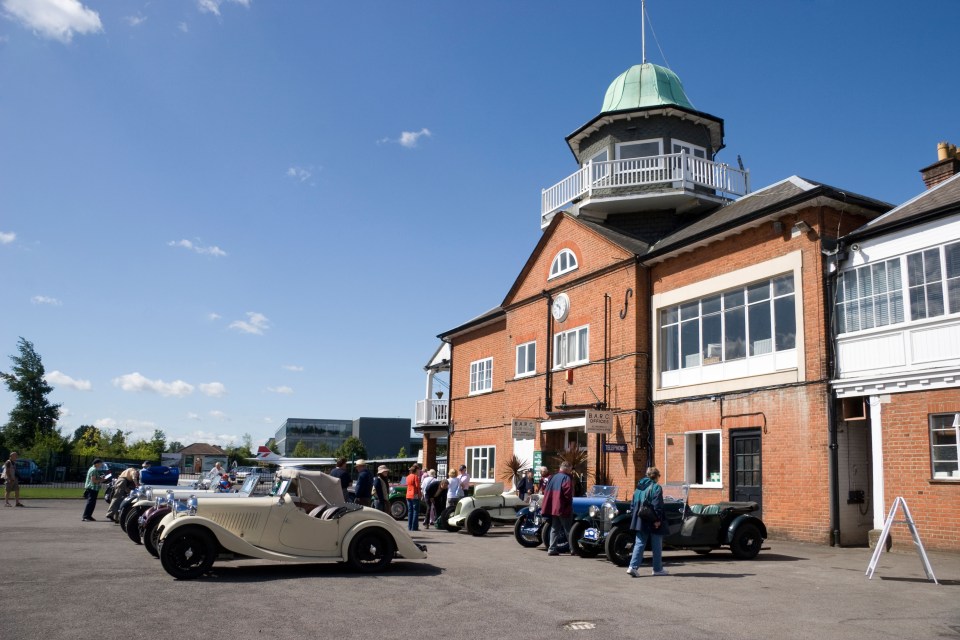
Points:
x=677, y=173
x=433, y=413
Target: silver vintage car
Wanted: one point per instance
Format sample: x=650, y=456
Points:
x=305, y=520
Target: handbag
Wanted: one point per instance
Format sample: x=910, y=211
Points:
x=647, y=514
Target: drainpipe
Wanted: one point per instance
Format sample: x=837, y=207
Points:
x=833, y=466
x=548, y=378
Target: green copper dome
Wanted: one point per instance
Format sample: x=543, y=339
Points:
x=645, y=85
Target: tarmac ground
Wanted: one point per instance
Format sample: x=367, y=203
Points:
x=65, y=578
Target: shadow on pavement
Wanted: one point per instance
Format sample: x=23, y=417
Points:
x=224, y=572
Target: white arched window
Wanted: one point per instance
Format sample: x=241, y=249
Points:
x=565, y=262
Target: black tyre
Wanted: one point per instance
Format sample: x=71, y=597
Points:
x=151, y=537
x=125, y=508
x=478, y=522
x=371, y=550
x=526, y=540
x=398, y=509
x=746, y=542
x=619, y=546
x=576, y=533
x=188, y=553
x=131, y=524
x=442, y=521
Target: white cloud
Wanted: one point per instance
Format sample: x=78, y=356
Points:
x=136, y=382
x=218, y=415
x=45, y=300
x=6, y=237
x=135, y=21
x=408, y=139
x=213, y=389
x=215, y=251
x=255, y=323
x=292, y=367
x=283, y=390
x=213, y=6
x=184, y=27
x=105, y=423
x=193, y=416
x=60, y=379
x=55, y=19
x=213, y=316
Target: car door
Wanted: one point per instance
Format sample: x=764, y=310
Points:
x=302, y=534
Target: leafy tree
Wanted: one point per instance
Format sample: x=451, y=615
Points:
x=33, y=416
x=302, y=450
x=158, y=443
x=402, y=453
x=241, y=452
x=351, y=449
x=142, y=450
x=174, y=447
x=272, y=445
x=48, y=448
x=88, y=443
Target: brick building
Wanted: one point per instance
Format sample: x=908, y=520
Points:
x=693, y=310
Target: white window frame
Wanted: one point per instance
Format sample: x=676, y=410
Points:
x=479, y=459
x=560, y=342
x=867, y=302
x=572, y=264
x=689, y=148
x=658, y=141
x=691, y=462
x=942, y=423
x=523, y=372
x=481, y=376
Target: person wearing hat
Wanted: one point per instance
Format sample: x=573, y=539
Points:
x=91, y=488
x=381, y=488
x=122, y=487
x=364, y=489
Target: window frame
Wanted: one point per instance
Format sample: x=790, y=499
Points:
x=482, y=366
x=475, y=456
x=691, y=463
x=867, y=302
x=526, y=373
x=572, y=264
x=560, y=341
x=946, y=426
x=691, y=148
x=620, y=145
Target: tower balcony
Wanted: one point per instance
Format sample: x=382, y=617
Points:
x=678, y=181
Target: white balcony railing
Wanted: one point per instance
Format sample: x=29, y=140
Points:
x=433, y=413
x=652, y=170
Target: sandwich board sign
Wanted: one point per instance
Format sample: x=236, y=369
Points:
x=908, y=520
x=598, y=422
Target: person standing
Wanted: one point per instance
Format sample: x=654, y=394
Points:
x=413, y=499
x=648, y=490
x=11, y=484
x=91, y=489
x=464, y=479
x=544, y=478
x=124, y=484
x=364, y=483
x=215, y=474
x=340, y=473
x=454, y=492
x=381, y=488
x=440, y=498
x=558, y=504
x=525, y=485
x=429, y=485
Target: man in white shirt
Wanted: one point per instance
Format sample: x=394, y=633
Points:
x=464, y=478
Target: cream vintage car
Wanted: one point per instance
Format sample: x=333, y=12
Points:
x=489, y=504
x=305, y=520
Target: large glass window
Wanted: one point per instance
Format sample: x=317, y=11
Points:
x=640, y=149
x=526, y=359
x=564, y=262
x=951, y=255
x=870, y=296
x=571, y=347
x=721, y=327
x=481, y=463
x=944, y=438
x=925, y=284
x=679, y=146
x=703, y=458
x=481, y=375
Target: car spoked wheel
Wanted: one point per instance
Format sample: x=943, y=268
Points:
x=188, y=553
x=151, y=537
x=619, y=546
x=478, y=522
x=398, y=509
x=371, y=550
x=746, y=542
x=132, y=524
x=583, y=550
x=528, y=539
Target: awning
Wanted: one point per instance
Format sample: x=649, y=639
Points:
x=569, y=423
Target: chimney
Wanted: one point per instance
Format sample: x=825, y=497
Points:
x=946, y=166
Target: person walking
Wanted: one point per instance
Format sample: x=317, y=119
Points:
x=381, y=488
x=525, y=485
x=340, y=473
x=413, y=499
x=364, y=483
x=558, y=504
x=11, y=484
x=91, y=489
x=454, y=491
x=122, y=486
x=652, y=531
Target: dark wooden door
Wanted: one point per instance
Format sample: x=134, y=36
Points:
x=747, y=479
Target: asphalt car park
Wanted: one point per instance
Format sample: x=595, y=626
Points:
x=68, y=579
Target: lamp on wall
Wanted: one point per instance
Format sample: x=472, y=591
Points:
x=799, y=227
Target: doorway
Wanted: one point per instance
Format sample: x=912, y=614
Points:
x=746, y=482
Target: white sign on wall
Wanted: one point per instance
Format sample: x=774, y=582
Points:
x=599, y=422
x=524, y=429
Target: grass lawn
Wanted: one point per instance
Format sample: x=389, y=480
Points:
x=40, y=493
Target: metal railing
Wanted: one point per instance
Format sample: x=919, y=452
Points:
x=433, y=412
x=637, y=172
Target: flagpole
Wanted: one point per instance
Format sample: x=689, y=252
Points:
x=643, y=32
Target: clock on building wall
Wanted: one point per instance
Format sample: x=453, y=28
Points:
x=561, y=307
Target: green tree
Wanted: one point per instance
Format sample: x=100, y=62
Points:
x=302, y=450
x=351, y=449
x=33, y=416
x=158, y=444
x=87, y=443
x=402, y=453
x=48, y=449
x=174, y=447
x=142, y=450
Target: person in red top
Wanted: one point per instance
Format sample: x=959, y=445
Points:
x=558, y=504
x=413, y=499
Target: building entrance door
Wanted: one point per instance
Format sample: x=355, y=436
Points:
x=746, y=480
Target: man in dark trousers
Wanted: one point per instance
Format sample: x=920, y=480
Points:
x=341, y=474
x=558, y=504
x=364, y=483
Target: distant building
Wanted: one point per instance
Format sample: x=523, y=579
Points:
x=382, y=437
x=200, y=457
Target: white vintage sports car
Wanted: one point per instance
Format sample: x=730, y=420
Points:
x=489, y=504
x=306, y=520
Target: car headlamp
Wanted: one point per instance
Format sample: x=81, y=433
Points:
x=609, y=510
x=171, y=496
x=192, y=505
x=148, y=493
x=593, y=511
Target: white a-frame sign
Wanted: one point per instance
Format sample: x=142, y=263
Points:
x=886, y=534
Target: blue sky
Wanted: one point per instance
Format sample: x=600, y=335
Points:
x=216, y=214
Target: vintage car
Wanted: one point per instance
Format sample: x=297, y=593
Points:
x=533, y=529
x=697, y=527
x=160, y=475
x=489, y=504
x=398, y=501
x=305, y=521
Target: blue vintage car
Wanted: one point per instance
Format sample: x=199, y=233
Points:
x=532, y=529
x=160, y=475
